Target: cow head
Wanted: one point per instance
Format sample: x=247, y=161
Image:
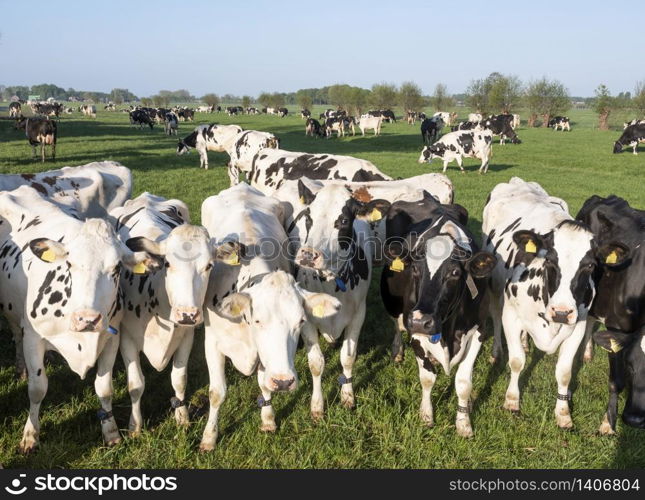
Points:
x=443, y=268
x=188, y=255
x=430, y=152
x=329, y=226
x=627, y=356
x=274, y=309
x=93, y=258
x=567, y=258
x=618, y=147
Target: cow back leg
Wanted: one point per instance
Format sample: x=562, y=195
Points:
x=460, y=162
x=427, y=378
x=233, y=174
x=316, y=361
x=37, y=388
x=563, y=367
x=136, y=381
x=103, y=388
x=516, y=358
x=216, y=390
x=464, y=386
x=588, y=341
x=397, y=343
x=348, y=356
x=495, y=308
x=267, y=415
x=179, y=374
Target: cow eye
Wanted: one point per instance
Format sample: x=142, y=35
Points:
x=344, y=222
x=455, y=273
x=591, y=265
x=167, y=264
x=209, y=266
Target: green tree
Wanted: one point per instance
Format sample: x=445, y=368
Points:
x=246, y=101
x=383, y=96
x=161, y=100
x=304, y=99
x=410, y=97
x=603, y=104
x=211, y=99
x=477, y=96
x=358, y=99
x=146, y=101
x=638, y=101
x=505, y=93
x=546, y=98
x=441, y=100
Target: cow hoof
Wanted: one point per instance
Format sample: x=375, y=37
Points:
x=113, y=441
x=317, y=416
x=134, y=433
x=27, y=447
x=512, y=405
x=181, y=417
x=398, y=358
x=565, y=423
x=347, y=400
x=605, y=429
x=464, y=429
x=268, y=427
x=587, y=358
x=206, y=447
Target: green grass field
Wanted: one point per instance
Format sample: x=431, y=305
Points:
x=384, y=430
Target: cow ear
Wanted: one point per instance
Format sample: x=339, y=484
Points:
x=305, y=194
x=321, y=305
x=613, y=342
x=234, y=307
x=481, y=264
x=528, y=242
x=48, y=250
x=143, y=244
x=373, y=211
x=613, y=254
x=229, y=252
x=396, y=254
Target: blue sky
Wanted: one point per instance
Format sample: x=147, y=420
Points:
x=245, y=47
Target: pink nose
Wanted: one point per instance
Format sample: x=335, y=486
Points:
x=282, y=383
x=187, y=316
x=562, y=314
x=86, y=320
x=310, y=257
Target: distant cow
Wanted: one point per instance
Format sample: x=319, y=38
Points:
x=560, y=122
x=282, y=112
x=313, y=128
x=631, y=136
x=475, y=117
x=186, y=115
x=430, y=129
x=243, y=148
x=501, y=125
x=411, y=117
x=370, y=122
x=445, y=116
x=140, y=117
x=15, y=110
x=206, y=138
x=40, y=131
x=305, y=113
x=459, y=145
x=88, y=110
x=171, y=124
x=516, y=121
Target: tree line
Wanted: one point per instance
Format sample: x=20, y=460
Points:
x=47, y=90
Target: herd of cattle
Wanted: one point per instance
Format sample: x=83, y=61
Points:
x=88, y=272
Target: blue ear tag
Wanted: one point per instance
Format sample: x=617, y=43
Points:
x=112, y=330
x=341, y=285
x=435, y=338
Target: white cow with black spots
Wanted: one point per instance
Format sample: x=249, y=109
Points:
x=455, y=146
x=244, y=147
x=206, y=138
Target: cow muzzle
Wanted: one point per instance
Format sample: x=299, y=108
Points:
x=562, y=314
x=422, y=324
x=310, y=257
x=187, y=316
x=281, y=383
x=86, y=320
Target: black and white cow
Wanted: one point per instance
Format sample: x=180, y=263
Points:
x=542, y=286
x=171, y=123
x=282, y=112
x=59, y=284
x=430, y=129
x=620, y=302
x=40, y=132
x=271, y=167
x=88, y=110
x=464, y=126
x=141, y=117
x=244, y=147
x=435, y=288
x=254, y=311
x=206, y=138
x=333, y=257
x=15, y=110
x=631, y=136
x=90, y=190
x=305, y=113
x=160, y=312
x=459, y=145
x=560, y=122
x=313, y=128
x=635, y=121
x=501, y=125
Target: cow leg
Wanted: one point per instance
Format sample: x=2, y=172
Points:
x=398, y=349
x=34, y=357
x=316, y=361
x=568, y=350
x=495, y=308
x=216, y=391
x=588, y=341
x=464, y=386
x=233, y=174
x=348, y=356
x=427, y=377
x=33, y=152
x=616, y=386
x=54, y=151
x=267, y=414
x=524, y=337
x=445, y=165
x=136, y=382
x=460, y=162
x=516, y=359
x=179, y=375
x=103, y=388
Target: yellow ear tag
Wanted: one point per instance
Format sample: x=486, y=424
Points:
x=139, y=268
x=397, y=265
x=375, y=215
x=530, y=247
x=318, y=311
x=615, y=346
x=235, y=310
x=233, y=260
x=302, y=200
x=612, y=258
x=48, y=255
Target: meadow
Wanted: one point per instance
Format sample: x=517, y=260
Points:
x=384, y=430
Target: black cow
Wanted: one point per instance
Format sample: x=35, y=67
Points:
x=430, y=128
x=631, y=136
x=435, y=287
x=41, y=131
x=141, y=117
x=620, y=302
x=501, y=125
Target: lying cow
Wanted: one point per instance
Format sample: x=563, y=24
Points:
x=543, y=283
x=560, y=122
x=431, y=128
x=254, y=311
x=631, y=136
x=40, y=131
x=435, y=288
x=620, y=302
x=369, y=123
x=59, y=292
x=206, y=138
x=459, y=145
x=243, y=147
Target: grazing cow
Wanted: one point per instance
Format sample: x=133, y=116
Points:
x=110, y=107
x=15, y=110
x=270, y=111
x=435, y=288
x=501, y=125
x=204, y=109
x=560, y=122
x=475, y=117
x=313, y=128
x=271, y=167
x=282, y=112
x=305, y=113
x=459, y=145
x=620, y=302
x=431, y=128
x=370, y=122
x=341, y=125
x=635, y=121
x=90, y=190
x=244, y=147
x=141, y=117
x=186, y=115
x=40, y=131
x=160, y=312
x=171, y=123
x=333, y=257
x=254, y=311
x=542, y=285
x=59, y=285
x=47, y=109
x=88, y=110
x=252, y=111
x=388, y=115
x=516, y=121
x=231, y=110
x=465, y=126
x=631, y=136
x=69, y=111
x=206, y=138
